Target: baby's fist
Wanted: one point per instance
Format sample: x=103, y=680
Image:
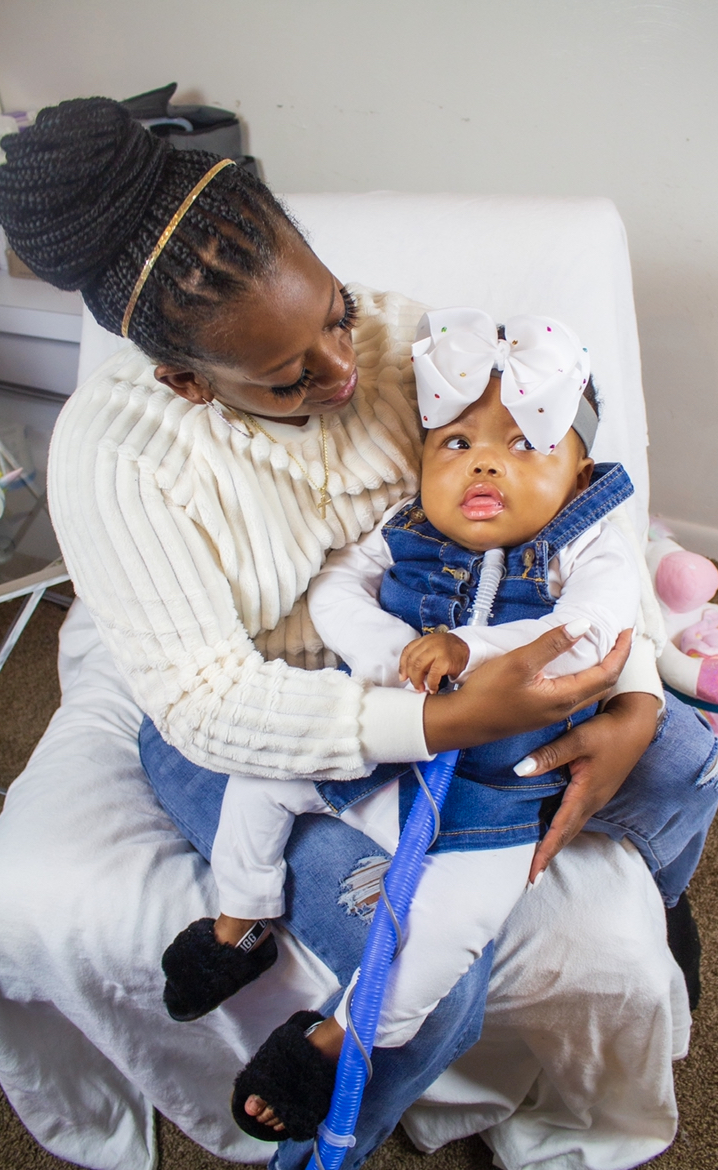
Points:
x=426, y=660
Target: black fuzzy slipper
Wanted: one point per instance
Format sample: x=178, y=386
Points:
x=292, y=1076
x=202, y=972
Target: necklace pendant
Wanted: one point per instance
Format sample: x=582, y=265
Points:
x=324, y=500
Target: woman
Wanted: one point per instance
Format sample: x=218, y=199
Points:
x=194, y=505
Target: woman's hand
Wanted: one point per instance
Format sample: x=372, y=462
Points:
x=600, y=754
x=510, y=694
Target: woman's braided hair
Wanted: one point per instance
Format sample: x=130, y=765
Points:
x=86, y=193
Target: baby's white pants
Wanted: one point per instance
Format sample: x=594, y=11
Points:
x=461, y=902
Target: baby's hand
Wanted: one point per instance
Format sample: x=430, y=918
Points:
x=426, y=660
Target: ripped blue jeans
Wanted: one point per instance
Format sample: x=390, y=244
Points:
x=323, y=856
x=665, y=807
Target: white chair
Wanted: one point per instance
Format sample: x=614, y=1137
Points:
x=86, y=1048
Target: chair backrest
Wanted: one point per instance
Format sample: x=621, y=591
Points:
x=565, y=258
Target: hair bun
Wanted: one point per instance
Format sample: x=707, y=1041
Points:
x=76, y=186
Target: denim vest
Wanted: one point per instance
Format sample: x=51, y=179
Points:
x=431, y=585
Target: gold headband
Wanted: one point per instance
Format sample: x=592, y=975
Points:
x=157, y=250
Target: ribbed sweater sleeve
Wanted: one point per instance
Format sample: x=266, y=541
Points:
x=130, y=493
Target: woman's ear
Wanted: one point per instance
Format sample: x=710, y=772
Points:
x=583, y=477
x=187, y=383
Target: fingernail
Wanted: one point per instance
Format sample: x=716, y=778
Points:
x=538, y=879
x=577, y=628
x=526, y=766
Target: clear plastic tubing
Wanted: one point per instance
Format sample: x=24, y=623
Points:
x=354, y=1069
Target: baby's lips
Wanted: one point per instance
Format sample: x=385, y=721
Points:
x=484, y=491
x=482, y=502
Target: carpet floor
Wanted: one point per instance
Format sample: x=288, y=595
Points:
x=29, y=694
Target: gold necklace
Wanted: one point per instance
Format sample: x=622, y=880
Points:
x=250, y=421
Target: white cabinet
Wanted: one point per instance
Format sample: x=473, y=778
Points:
x=39, y=350
x=39, y=335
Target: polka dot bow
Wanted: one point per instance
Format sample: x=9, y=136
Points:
x=544, y=370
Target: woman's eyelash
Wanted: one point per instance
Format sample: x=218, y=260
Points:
x=347, y=322
x=351, y=311
x=287, y=391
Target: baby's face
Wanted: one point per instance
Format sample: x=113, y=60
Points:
x=482, y=484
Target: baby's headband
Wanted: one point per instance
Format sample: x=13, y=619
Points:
x=166, y=234
x=545, y=370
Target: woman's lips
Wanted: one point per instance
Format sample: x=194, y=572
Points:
x=344, y=394
x=482, y=502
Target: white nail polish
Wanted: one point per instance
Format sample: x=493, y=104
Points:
x=577, y=628
x=539, y=878
x=526, y=766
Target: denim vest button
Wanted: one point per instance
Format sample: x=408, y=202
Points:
x=528, y=557
x=417, y=516
x=462, y=575
x=442, y=629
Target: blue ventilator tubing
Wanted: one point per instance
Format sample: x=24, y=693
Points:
x=336, y=1133
x=400, y=884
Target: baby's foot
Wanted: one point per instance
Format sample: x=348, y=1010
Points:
x=247, y=933
x=202, y=970
x=328, y=1037
x=285, y=1090
x=257, y=1108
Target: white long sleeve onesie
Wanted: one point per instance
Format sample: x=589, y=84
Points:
x=470, y=893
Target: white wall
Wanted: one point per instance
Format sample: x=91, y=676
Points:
x=564, y=97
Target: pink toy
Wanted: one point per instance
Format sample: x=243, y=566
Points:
x=702, y=637
x=708, y=681
x=685, y=580
x=701, y=641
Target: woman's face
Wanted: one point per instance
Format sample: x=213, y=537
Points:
x=286, y=345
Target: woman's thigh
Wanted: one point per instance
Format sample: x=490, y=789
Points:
x=332, y=869
x=667, y=803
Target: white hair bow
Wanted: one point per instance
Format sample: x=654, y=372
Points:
x=544, y=370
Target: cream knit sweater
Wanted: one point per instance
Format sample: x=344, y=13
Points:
x=192, y=545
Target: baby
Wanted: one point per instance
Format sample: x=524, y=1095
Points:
x=511, y=420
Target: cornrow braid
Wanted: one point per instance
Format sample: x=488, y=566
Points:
x=86, y=193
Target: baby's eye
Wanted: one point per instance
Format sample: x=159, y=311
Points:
x=523, y=444
x=457, y=443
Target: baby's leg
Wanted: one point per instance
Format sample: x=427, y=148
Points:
x=461, y=903
x=248, y=852
x=209, y=961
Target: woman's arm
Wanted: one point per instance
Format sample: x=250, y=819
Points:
x=512, y=694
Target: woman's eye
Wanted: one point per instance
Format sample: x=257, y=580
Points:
x=523, y=444
x=457, y=443
x=346, y=322
x=351, y=311
x=296, y=387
